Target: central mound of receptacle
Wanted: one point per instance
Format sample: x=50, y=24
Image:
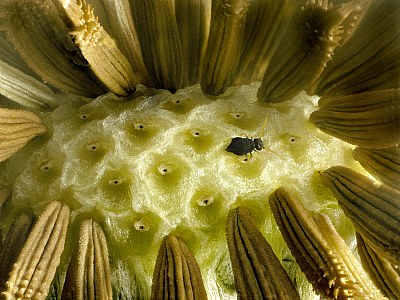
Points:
x=157, y=163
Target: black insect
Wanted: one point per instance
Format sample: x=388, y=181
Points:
x=243, y=146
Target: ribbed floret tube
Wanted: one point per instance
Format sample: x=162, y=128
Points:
x=369, y=60
x=39, y=34
x=309, y=43
x=370, y=119
x=224, y=45
x=373, y=208
x=176, y=273
x=160, y=43
x=88, y=275
x=36, y=265
x=322, y=254
x=257, y=270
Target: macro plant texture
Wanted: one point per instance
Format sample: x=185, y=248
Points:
x=116, y=179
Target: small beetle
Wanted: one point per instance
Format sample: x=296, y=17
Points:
x=243, y=146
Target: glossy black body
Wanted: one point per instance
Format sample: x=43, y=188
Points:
x=243, y=146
